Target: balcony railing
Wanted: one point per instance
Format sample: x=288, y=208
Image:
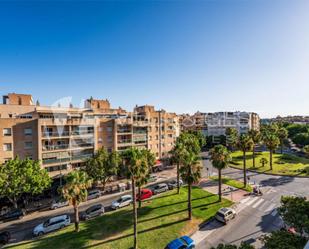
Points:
x=124, y=141
x=55, y=147
x=124, y=131
x=82, y=145
x=81, y=133
x=55, y=160
x=81, y=157
x=55, y=134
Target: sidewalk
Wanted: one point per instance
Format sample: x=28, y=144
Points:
x=233, y=194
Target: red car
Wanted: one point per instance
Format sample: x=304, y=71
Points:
x=145, y=194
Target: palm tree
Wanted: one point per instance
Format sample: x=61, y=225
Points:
x=245, y=144
x=256, y=138
x=75, y=191
x=137, y=167
x=282, y=134
x=190, y=171
x=220, y=158
x=271, y=141
x=176, y=157
x=149, y=159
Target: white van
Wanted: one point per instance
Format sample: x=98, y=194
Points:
x=52, y=224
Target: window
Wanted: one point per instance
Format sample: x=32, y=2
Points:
x=28, y=131
x=100, y=129
x=28, y=145
x=109, y=128
x=100, y=140
x=7, y=132
x=7, y=147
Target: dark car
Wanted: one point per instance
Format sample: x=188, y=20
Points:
x=5, y=237
x=13, y=215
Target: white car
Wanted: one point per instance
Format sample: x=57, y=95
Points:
x=58, y=204
x=224, y=215
x=52, y=224
x=160, y=188
x=123, y=201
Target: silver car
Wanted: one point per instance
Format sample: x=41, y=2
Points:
x=160, y=188
x=52, y=224
x=93, y=211
x=58, y=204
x=123, y=201
x=93, y=194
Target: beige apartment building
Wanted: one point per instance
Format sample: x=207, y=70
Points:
x=62, y=138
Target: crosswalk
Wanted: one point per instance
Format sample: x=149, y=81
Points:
x=259, y=203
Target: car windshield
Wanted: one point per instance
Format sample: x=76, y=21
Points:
x=119, y=200
x=45, y=224
x=220, y=214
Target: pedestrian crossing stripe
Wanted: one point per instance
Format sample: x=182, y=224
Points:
x=258, y=203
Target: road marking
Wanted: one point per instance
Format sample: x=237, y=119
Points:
x=252, y=201
x=274, y=213
x=271, y=207
x=258, y=203
x=245, y=200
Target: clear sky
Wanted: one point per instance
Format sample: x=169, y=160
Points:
x=182, y=56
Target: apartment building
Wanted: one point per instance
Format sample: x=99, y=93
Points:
x=215, y=124
x=62, y=138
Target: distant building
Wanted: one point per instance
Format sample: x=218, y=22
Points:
x=63, y=137
x=215, y=124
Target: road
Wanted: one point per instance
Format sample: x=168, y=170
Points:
x=22, y=229
x=258, y=215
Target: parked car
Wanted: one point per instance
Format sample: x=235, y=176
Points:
x=184, y=242
x=93, y=211
x=173, y=184
x=123, y=201
x=5, y=237
x=152, y=178
x=52, y=224
x=145, y=194
x=224, y=215
x=58, y=204
x=160, y=188
x=13, y=215
x=93, y=194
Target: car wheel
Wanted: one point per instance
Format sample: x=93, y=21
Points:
x=62, y=226
x=40, y=233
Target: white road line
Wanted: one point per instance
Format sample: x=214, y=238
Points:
x=258, y=203
x=245, y=200
x=270, y=207
x=252, y=201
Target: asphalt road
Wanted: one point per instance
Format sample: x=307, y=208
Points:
x=258, y=215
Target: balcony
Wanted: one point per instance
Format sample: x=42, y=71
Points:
x=55, y=147
x=55, y=134
x=82, y=133
x=81, y=157
x=124, y=131
x=82, y=145
x=55, y=160
x=123, y=142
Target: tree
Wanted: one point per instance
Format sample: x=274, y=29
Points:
x=245, y=144
x=103, y=166
x=200, y=137
x=306, y=150
x=137, y=165
x=220, y=158
x=149, y=160
x=256, y=138
x=75, y=191
x=231, y=137
x=190, y=171
x=282, y=134
x=19, y=177
x=295, y=212
x=271, y=141
x=283, y=240
x=177, y=154
x=263, y=161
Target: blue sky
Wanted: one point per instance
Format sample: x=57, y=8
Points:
x=182, y=56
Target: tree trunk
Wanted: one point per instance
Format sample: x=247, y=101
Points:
x=220, y=185
x=13, y=200
x=76, y=218
x=253, y=156
x=271, y=159
x=189, y=202
x=178, y=179
x=134, y=213
x=245, y=168
x=282, y=148
x=139, y=197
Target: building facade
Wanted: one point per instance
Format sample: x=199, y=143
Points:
x=62, y=138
